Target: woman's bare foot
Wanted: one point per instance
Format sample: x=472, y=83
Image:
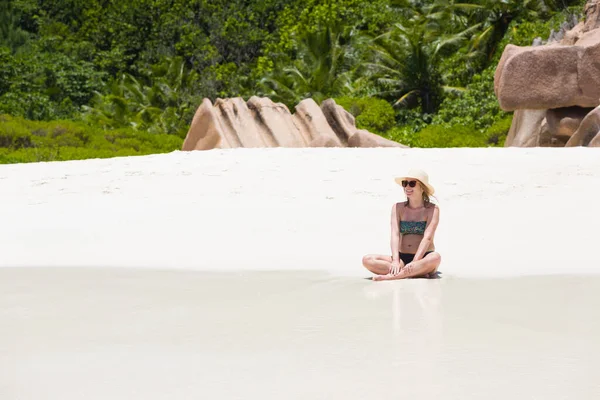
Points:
x=389, y=277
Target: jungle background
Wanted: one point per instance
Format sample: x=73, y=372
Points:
x=102, y=78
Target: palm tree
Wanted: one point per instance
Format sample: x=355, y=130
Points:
x=404, y=60
x=157, y=106
x=492, y=19
x=321, y=69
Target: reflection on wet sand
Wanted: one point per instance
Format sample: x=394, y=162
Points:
x=415, y=309
x=414, y=304
x=120, y=334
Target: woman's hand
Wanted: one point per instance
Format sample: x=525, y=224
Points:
x=395, y=268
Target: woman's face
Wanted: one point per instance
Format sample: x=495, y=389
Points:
x=415, y=192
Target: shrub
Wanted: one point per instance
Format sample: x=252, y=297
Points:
x=461, y=135
x=477, y=105
x=31, y=141
x=402, y=134
x=448, y=136
x=40, y=85
x=496, y=134
x=373, y=114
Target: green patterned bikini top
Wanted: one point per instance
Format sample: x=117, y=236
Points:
x=412, y=227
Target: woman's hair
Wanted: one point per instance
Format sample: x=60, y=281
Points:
x=426, y=198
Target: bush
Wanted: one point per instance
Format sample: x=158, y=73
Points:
x=496, y=134
x=461, y=135
x=448, y=136
x=402, y=134
x=31, y=141
x=44, y=86
x=477, y=105
x=373, y=114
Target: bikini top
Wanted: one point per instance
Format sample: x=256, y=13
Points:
x=412, y=227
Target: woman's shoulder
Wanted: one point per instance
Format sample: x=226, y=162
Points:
x=431, y=207
x=400, y=206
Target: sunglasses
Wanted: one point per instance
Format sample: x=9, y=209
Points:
x=409, y=183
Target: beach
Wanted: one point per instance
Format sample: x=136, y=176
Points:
x=236, y=274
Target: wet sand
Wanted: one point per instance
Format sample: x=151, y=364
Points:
x=86, y=333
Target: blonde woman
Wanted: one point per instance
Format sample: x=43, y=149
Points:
x=413, y=225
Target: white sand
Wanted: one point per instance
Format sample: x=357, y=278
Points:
x=504, y=212
x=515, y=314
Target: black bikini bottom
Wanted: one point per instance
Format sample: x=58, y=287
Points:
x=408, y=257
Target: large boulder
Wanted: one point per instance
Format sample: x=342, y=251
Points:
x=562, y=123
x=235, y=116
x=525, y=129
x=565, y=72
x=588, y=132
x=540, y=77
x=544, y=128
x=313, y=124
x=275, y=122
x=592, y=12
x=205, y=130
x=553, y=86
x=364, y=138
x=552, y=76
x=595, y=142
x=260, y=122
x=340, y=120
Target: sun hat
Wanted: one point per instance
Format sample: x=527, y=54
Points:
x=419, y=175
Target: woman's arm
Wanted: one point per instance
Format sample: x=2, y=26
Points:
x=395, y=236
x=428, y=234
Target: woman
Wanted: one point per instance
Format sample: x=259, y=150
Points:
x=413, y=228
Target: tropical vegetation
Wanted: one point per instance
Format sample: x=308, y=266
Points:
x=102, y=78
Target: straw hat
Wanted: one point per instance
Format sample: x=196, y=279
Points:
x=419, y=175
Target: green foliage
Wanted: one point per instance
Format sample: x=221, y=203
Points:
x=408, y=123
x=44, y=86
x=458, y=135
x=477, y=105
x=301, y=17
x=404, y=61
x=449, y=136
x=161, y=104
x=32, y=141
x=496, y=134
x=136, y=70
x=12, y=36
x=320, y=70
x=402, y=134
x=128, y=36
x=372, y=114
x=523, y=33
x=452, y=136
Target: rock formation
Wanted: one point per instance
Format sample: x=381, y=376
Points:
x=260, y=122
x=587, y=131
x=554, y=87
